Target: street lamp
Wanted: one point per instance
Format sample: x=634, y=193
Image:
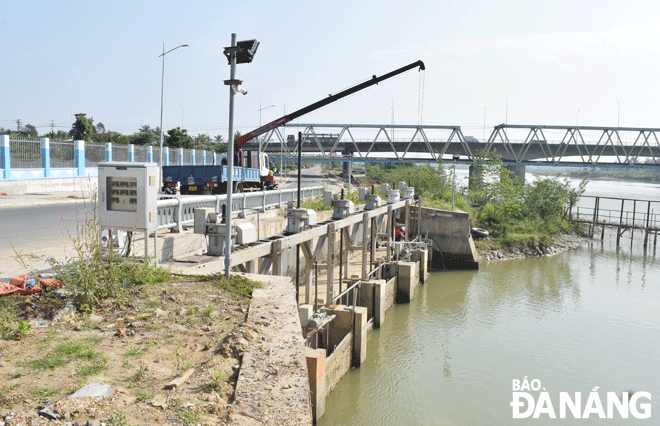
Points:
x=484, y=125
x=162, y=87
x=261, y=109
x=238, y=53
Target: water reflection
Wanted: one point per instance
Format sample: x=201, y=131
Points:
x=576, y=320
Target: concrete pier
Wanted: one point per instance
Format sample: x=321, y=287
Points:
x=517, y=170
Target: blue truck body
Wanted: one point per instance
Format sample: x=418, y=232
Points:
x=200, y=179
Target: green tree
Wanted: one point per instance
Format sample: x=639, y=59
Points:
x=145, y=129
x=178, y=138
x=144, y=138
x=82, y=129
x=29, y=131
x=100, y=128
x=113, y=137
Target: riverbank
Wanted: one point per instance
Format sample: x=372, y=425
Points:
x=179, y=352
x=558, y=244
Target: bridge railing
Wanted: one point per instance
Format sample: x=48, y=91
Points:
x=176, y=212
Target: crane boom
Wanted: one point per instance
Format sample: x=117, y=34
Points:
x=241, y=140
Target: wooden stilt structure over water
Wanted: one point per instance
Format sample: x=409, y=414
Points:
x=622, y=220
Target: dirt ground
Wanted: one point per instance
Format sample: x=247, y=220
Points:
x=137, y=344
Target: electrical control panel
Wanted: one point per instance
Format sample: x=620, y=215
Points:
x=128, y=194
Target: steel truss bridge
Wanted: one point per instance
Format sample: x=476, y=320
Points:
x=540, y=145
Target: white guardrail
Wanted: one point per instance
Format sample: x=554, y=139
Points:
x=174, y=213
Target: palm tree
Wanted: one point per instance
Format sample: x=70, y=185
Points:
x=145, y=129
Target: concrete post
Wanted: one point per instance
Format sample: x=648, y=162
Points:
x=192, y=157
x=316, y=371
x=365, y=245
x=330, y=240
x=79, y=148
x=359, y=336
x=476, y=177
x=108, y=151
x=517, y=170
x=379, y=302
x=45, y=156
x=215, y=161
x=276, y=255
x=6, y=159
x=407, y=281
x=166, y=156
x=180, y=156
x=150, y=154
x=131, y=152
x=389, y=230
x=204, y=157
x=407, y=221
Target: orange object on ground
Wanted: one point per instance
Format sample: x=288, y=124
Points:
x=17, y=285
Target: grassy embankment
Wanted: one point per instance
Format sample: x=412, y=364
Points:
x=514, y=213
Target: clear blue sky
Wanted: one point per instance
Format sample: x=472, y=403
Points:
x=547, y=59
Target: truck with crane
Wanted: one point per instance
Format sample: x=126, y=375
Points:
x=252, y=167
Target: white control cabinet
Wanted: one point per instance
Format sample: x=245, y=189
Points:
x=128, y=194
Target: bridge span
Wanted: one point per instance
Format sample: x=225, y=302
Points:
x=518, y=145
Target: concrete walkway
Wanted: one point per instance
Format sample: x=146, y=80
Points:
x=9, y=200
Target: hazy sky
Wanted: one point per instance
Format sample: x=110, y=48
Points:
x=547, y=59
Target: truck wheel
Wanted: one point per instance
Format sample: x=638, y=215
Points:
x=220, y=188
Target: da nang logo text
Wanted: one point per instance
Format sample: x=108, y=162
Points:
x=530, y=399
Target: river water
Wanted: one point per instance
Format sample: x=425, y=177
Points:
x=582, y=319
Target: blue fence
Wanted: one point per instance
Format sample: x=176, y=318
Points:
x=35, y=159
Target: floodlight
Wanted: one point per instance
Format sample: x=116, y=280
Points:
x=245, y=51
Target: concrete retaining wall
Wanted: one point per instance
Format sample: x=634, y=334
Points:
x=450, y=232
x=339, y=363
x=284, y=397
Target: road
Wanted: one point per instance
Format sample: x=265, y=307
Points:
x=45, y=230
x=41, y=230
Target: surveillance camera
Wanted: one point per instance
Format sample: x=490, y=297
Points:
x=238, y=89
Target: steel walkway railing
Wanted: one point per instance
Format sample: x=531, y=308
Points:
x=175, y=212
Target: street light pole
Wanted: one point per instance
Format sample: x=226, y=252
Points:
x=162, y=87
x=230, y=158
x=261, y=109
x=484, y=137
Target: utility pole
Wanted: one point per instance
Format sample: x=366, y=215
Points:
x=52, y=132
x=18, y=125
